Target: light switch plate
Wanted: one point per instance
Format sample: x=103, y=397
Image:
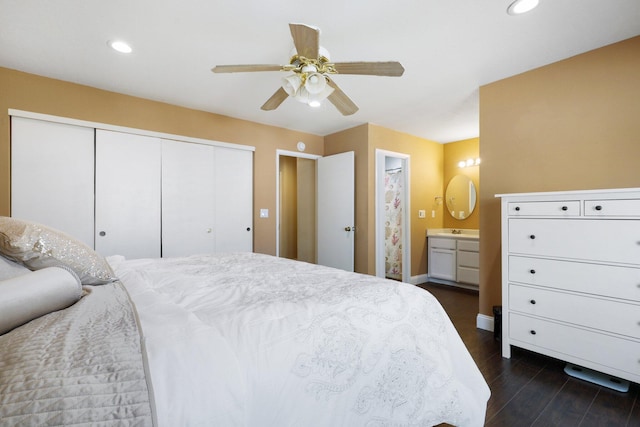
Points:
x=264, y=213
x=421, y=213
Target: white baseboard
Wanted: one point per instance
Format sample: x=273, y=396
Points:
x=484, y=322
x=420, y=278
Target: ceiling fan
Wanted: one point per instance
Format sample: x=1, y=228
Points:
x=311, y=69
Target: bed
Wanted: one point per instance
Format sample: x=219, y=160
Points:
x=230, y=339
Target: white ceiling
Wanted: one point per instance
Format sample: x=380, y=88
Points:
x=448, y=48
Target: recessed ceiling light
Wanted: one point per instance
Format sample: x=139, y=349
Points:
x=521, y=6
x=120, y=46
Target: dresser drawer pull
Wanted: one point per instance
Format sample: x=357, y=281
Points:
x=598, y=208
x=532, y=271
x=532, y=332
x=517, y=208
x=565, y=208
x=533, y=301
x=532, y=237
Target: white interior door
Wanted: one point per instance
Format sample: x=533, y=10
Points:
x=52, y=175
x=188, y=199
x=128, y=183
x=234, y=200
x=336, y=210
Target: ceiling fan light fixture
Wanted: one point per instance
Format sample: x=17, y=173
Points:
x=519, y=7
x=291, y=84
x=315, y=83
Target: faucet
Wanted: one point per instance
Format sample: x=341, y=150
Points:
x=454, y=231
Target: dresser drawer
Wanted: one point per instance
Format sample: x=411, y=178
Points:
x=616, y=241
x=607, y=208
x=606, y=315
x=469, y=245
x=581, y=344
x=550, y=208
x=596, y=279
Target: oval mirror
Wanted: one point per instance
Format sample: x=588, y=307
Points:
x=460, y=197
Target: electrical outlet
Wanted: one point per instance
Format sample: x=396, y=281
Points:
x=421, y=213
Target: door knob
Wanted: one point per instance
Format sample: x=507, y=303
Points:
x=347, y=229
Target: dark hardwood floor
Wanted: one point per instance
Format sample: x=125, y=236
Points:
x=530, y=389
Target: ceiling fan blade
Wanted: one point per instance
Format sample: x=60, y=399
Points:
x=389, y=68
x=306, y=40
x=245, y=68
x=340, y=100
x=276, y=99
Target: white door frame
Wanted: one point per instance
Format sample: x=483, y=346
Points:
x=379, y=213
x=289, y=154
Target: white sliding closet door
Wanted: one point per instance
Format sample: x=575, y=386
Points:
x=52, y=175
x=234, y=200
x=128, y=171
x=188, y=199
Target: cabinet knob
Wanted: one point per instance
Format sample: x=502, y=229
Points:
x=103, y=233
x=598, y=207
x=532, y=271
x=532, y=332
x=565, y=208
x=517, y=208
x=533, y=301
x=532, y=237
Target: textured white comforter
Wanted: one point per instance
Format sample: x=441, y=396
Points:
x=254, y=340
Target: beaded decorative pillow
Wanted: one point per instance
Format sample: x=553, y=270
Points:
x=37, y=246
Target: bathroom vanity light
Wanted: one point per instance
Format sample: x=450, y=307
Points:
x=469, y=162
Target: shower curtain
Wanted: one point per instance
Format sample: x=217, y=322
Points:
x=393, y=223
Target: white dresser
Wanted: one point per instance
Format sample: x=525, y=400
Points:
x=571, y=277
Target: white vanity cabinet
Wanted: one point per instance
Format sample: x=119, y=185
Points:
x=468, y=262
x=454, y=259
x=442, y=258
x=571, y=277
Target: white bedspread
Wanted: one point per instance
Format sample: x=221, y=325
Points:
x=254, y=340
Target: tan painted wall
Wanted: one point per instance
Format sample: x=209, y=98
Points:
x=425, y=185
x=571, y=125
x=29, y=92
x=356, y=140
x=454, y=152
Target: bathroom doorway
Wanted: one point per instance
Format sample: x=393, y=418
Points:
x=393, y=228
x=296, y=209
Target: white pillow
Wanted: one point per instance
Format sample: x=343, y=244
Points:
x=35, y=294
x=10, y=269
x=37, y=246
